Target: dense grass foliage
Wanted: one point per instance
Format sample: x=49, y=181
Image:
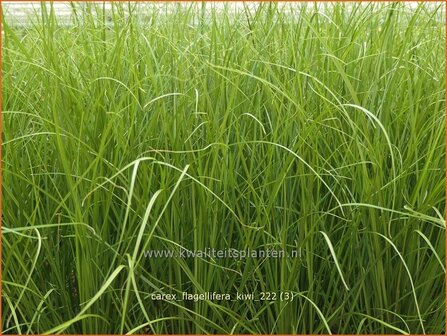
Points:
x=317, y=128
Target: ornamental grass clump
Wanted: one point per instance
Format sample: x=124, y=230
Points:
x=315, y=130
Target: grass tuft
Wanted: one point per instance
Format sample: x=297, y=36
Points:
x=310, y=127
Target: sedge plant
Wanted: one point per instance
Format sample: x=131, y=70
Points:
x=309, y=127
